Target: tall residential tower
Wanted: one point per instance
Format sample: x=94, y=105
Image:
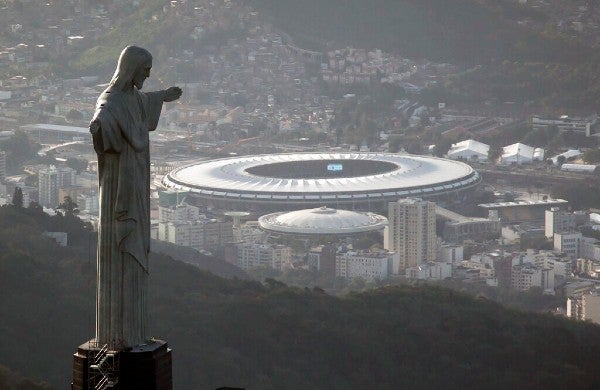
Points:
x=411, y=231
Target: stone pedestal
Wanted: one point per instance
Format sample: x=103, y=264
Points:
x=146, y=366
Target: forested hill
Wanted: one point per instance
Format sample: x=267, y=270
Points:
x=457, y=31
x=230, y=332
x=514, y=63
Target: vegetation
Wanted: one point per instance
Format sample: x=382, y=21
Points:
x=580, y=197
x=10, y=380
x=270, y=336
x=19, y=149
x=508, y=61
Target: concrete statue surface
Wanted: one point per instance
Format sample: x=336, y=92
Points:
x=120, y=129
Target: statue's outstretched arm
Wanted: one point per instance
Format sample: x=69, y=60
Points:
x=171, y=94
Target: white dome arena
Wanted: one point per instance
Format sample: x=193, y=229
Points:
x=339, y=180
x=321, y=221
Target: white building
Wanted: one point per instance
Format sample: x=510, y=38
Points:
x=469, y=150
x=521, y=154
x=581, y=168
x=180, y=212
x=50, y=180
x=252, y=255
x=585, y=308
x=452, y=254
x=557, y=221
x=430, y=271
x=2, y=166
x=366, y=265
x=590, y=248
x=565, y=123
x=562, y=266
x=411, y=231
x=569, y=154
x=202, y=234
x=248, y=232
x=182, y=233
x=578, y=289
x=527, y=275
x=89, y=203
x=568, y=243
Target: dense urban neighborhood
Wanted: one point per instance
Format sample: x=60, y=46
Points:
x=317, y=163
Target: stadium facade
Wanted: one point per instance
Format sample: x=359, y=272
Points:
x=356, y=181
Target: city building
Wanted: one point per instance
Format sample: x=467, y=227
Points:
x=557, y=221
x=566, y=123
x=523, y=210
x=458, y=227
x=585, y=308
x=527, y=275
x=568, y=243
x=503, y=271
x=2, y=166
x=411, y=231
x=89, y=202
x=365, y=265
x=179, y=212
x=450, y=253
x=579, y=288
x=590, y=248
x=50, y=181
x=430, y=271
x=252, y=255
x=202, y=234
x=249, y=231
x=182, y=224
x=322, y=259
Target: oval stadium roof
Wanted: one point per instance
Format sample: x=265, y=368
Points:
x=236, y=178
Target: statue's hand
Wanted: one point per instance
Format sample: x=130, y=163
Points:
x=172, y=93
x=94, y=126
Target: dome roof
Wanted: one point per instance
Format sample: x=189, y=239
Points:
x=322, y=220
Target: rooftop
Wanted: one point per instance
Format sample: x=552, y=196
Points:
x=322, y=220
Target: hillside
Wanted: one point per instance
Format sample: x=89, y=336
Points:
x=513, y=53
x=269, y=336
x=458, y=31
x=509, y=62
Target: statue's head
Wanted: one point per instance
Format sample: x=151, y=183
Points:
x=133, y=68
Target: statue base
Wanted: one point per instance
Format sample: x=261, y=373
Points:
x=146, y=366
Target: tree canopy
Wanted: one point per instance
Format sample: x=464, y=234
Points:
x=231, y=332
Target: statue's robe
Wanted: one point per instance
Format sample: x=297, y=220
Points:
x=122, y=146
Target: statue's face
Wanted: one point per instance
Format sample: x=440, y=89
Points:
x=142, y=73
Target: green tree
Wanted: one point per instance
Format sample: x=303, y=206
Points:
x=78, y=164
x=74, y=115
x=19, y=148
x=17, y=199
x=592, y=156
x=494, y=153
x=69, y=207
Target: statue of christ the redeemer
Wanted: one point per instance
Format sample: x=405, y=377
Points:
x=124, y=116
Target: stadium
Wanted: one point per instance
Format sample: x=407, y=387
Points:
x=356, y=181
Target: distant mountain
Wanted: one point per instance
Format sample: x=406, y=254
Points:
x=231, y=332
